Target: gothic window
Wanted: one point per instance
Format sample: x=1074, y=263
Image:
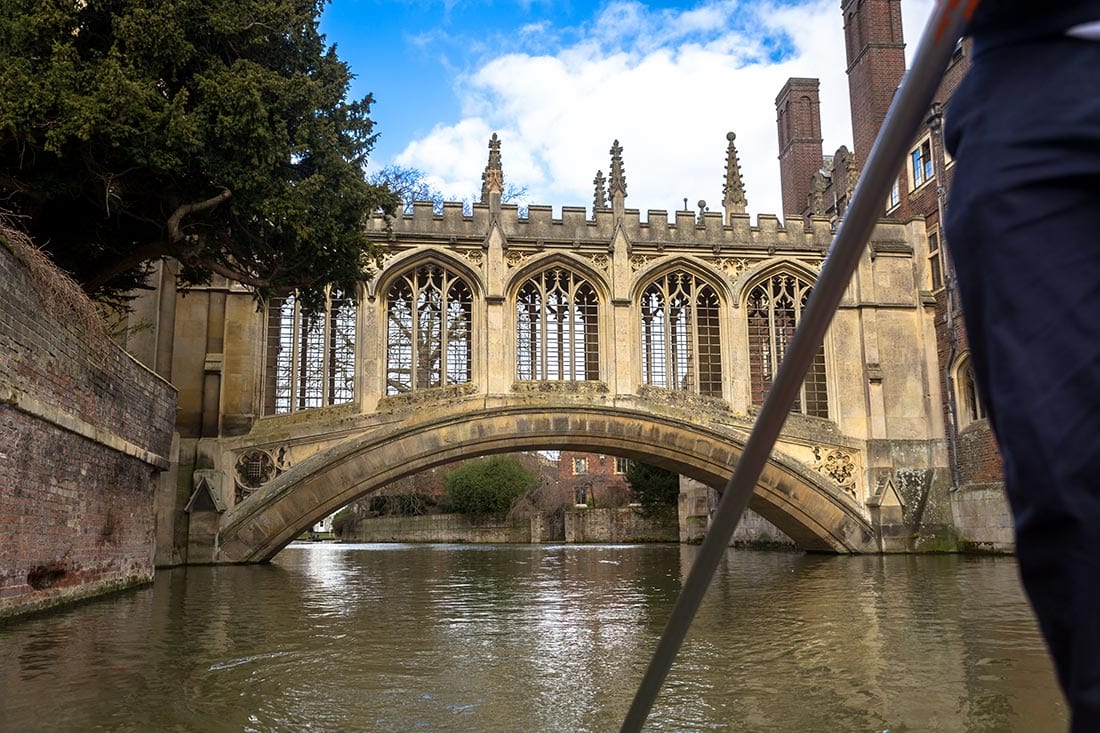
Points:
x=557, y=336
x=429, y=311
x=774, y=309
x=680, y=340
x=970, y=404
x=310, y=353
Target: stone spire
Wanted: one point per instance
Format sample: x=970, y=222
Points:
x=618, y=175
x=492, y=180
x=617, y=182
x=599, y=201
x=733, y=192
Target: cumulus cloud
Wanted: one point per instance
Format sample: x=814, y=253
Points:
x=668, y=84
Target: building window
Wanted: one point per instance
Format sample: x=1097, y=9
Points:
x=774, y=309
x=557, y=336
x=969, y=401
x=622, y=465
x=920, y=163
x=580, y=465
x=935, y=263
x=310, y=354
x=428, y=330
x=681, y=347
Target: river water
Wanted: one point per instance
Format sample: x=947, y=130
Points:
x=538, y=638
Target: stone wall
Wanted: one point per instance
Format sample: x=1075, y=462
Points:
x=619, y=525
x=84, y=433
x=584, y=525
x=982, y=518
x=489, y=528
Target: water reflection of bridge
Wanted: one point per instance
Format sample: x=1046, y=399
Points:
x=485, y=331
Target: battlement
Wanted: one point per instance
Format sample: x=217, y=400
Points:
x=575, y=226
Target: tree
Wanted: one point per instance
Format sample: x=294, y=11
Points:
x=217, y=133
x=411, y=184
x=654, y=488
x=488, y=486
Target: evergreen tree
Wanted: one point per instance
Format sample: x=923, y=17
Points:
x=654, y=488
x=217, y=133
x=488, y=486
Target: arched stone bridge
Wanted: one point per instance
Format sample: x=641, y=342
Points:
x=803, y=501
x=484, y=331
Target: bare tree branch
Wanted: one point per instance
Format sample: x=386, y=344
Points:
x=175, y=233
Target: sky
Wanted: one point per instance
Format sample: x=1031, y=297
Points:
x=560, y=80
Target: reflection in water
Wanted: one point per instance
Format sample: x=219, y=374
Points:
x=538, y=638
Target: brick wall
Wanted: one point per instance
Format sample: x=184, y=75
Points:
x=876, y=63
x=798, y=118
x=84, y=433
x=594, y=476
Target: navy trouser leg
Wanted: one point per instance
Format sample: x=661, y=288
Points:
x=1023, y=230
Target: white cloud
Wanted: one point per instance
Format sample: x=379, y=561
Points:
x=668, y=85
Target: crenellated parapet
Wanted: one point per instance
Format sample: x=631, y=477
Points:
x=576, y=225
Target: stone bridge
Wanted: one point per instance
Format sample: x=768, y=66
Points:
x=488, y=329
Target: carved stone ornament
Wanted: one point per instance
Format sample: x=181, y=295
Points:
x=637, y=262
x=601, y=261
x=838, y=466
x=254, y=469
x=475, y=256
x=282, y=458
x=730, y=266
x=515, y=258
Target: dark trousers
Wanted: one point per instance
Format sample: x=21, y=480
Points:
x=1023, y=228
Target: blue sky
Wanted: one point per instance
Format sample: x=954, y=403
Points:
x=559, y=81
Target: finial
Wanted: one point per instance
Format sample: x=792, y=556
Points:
x=492, y=180
x=617, y=181
x=734, y=200
x=599, y=201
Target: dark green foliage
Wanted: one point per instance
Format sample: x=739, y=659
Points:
x=217, y=133
x=488, y=486
x=654, y=488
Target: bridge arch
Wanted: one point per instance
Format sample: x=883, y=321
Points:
x=800, y=502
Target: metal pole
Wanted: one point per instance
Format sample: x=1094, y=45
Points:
x=906, y=113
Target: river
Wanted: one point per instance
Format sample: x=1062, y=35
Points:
x=334, y=637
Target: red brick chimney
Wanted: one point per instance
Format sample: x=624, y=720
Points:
x=798, y=117
x=876, y=64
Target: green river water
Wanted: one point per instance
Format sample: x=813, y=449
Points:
x=333, y=637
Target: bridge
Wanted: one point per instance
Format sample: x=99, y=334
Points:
x=488, y=329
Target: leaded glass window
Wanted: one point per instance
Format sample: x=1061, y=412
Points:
x=310, y=354
x=557, y=336
x=429, y=312
x=774, y=309
x=681, y=348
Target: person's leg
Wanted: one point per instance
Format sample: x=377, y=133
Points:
x=1023, y=229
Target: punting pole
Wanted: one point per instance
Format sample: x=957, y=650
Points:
x=908, y=110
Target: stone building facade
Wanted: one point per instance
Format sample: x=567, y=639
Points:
x=680, y=316
x=876, y=64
